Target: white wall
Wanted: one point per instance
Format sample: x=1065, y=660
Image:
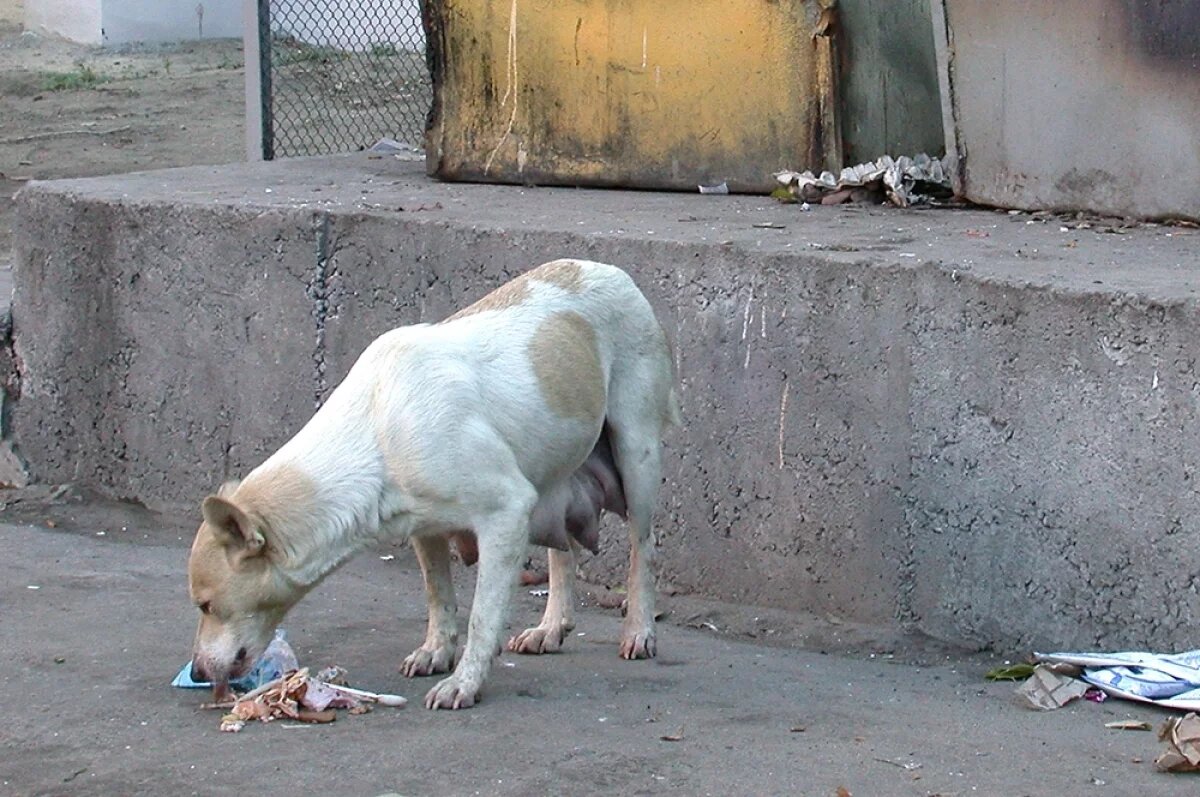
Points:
x=77, y=20
x=336, y=23
x=120, y=21
x=345, y=23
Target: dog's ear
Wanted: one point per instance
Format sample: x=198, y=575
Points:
x=233, y=527
x=228, y=488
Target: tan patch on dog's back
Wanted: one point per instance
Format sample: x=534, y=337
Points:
x=510, y=294
x=565, y=274
x=283, y=490
x=566, y=363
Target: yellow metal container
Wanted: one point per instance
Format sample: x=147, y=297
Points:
x=644, y=94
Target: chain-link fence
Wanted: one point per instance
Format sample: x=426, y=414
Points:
x=338, y=75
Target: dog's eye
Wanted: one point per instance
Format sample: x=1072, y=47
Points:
x=206, y=608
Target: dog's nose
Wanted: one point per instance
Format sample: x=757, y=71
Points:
x=198, y=673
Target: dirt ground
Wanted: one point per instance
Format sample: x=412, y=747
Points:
x=68, y=110
x=72, y=111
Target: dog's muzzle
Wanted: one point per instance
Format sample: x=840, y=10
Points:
x=199, y=674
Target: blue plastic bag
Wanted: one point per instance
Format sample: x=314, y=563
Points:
x=275, y=662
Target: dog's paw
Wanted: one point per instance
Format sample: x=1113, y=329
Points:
x=451, y=693
x=539, y=639
x=428, y=661
x=638, y=643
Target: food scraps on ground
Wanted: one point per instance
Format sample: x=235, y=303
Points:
x=673, y=737
x=531, y=577
x=300, y=697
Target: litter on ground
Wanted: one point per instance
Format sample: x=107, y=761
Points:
x=902, y=181
x=1182, y=735
x=1167, y=680
x=1047, y=690
x=276, y=660
x=301, y=697
x=278, y=688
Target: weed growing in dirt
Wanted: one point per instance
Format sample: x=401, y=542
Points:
x=292, y=52
x=384, y=50
x=82, y=77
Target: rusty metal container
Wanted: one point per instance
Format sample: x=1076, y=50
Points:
x=667, y=94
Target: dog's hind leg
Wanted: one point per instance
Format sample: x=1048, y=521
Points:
x=441, y=637
x=559, y=617
x=641, y=406
x=503, y=535
x=639, y=461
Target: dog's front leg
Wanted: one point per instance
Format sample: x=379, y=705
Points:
x=559, y=617
x=502, y=537
x=441, y=636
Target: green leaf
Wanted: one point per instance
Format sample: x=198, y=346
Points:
x=1010, y=672
x=785, y=196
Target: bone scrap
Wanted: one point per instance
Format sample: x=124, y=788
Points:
x=300, y=697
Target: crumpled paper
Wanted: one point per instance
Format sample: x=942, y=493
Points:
x=1182, y=735
x=902, y=181
x=1047, y=690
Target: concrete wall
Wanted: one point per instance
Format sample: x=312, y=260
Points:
x=1054, y=465
x=989, y=441
x=121, y=21
x=1077, y=104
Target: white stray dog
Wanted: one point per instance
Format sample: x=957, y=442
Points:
x=516, y=420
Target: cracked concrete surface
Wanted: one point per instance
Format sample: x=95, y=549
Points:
x=318, y=291
x=968, y=423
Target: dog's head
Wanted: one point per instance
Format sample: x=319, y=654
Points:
x=240, y=591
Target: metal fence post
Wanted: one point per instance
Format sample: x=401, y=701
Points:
x=266, y=100
x=256, y=55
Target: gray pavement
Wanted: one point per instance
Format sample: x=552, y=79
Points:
x=95, y=627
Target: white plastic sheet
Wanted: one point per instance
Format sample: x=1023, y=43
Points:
x=1168, y=680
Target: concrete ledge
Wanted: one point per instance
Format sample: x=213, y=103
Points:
x=890, y=417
